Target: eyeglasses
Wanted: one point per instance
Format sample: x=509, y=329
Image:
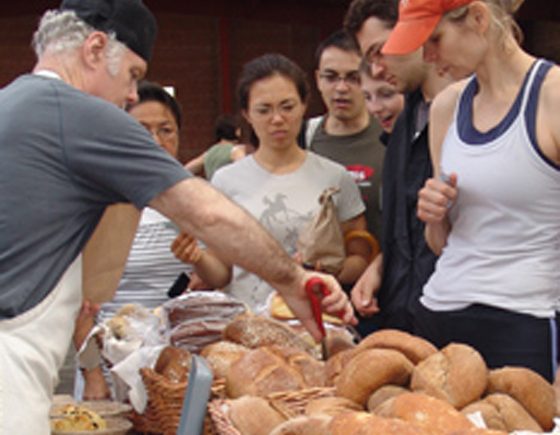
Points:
x=332, y=78
x=265, y=111
x=163, y=133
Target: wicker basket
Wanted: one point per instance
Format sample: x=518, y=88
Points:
x=165, y=402
x=292, y=403
x=288, y=403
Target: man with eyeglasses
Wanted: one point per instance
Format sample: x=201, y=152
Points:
x=347, y=133
x=391, y=286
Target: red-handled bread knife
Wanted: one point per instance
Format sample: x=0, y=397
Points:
x=316, y=290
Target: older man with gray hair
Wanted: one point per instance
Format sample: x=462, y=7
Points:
x=66, y=153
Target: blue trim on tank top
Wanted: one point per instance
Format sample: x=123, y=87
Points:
x=467, y=132
x=531, y=111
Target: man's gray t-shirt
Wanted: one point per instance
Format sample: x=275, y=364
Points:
x=64, y=156
x=362, y=154
x=283, y=204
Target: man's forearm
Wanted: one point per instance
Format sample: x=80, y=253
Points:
x=224, y=227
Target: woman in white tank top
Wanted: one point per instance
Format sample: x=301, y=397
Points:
x=492, y=209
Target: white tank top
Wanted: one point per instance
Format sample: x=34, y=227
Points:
x=504, y=247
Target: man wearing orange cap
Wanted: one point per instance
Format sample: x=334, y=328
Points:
x=492, y=207
x=391, y=286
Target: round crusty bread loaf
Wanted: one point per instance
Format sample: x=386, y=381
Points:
x=312, y=370
x=336, y=363
x=304, y=425
x=382, y=394
x=527, y=387
x=331, y=406
x=456, y=374
x=221, y=355
x=261, y=372
x=503, y=412
x=253, y=416
x=363, y=423
x=174, y=364
x=255, y=331
x=338, y=342
x=414, y=348
x=425, y=411
x=371, y=369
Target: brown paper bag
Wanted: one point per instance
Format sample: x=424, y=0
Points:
x=105, y=254
x=322, y=240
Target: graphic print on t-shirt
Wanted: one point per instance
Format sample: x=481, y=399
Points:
x=281, y=221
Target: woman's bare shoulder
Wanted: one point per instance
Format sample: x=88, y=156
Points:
x=446, y=100
x=551, y=89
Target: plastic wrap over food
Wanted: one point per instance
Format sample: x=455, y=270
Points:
x=198, y=318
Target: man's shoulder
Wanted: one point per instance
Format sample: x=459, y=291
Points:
x=324, y=165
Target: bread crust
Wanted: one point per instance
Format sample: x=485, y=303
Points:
x=527, y=387
x=254, y=416
x=363, y=423
x=331, y=406
x=456, y=374
x=425, y=411
x=371, y=369
x=413, y=347
x=503, y=412
x=221, y=355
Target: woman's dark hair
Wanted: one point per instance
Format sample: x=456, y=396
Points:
x=150, y=91
x=226, y=127
x=266, y=66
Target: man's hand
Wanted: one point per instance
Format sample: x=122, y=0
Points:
x=336, y=304
x=363, y=292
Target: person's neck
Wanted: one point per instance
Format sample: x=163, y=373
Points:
x=433, y=83
x=346, y=127
x=502, y=71
x=280, y=161
x=63, y=67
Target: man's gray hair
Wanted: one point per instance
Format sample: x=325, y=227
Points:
x=62, y=31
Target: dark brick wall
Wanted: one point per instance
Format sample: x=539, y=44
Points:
x=200, y=49
x=203, y=44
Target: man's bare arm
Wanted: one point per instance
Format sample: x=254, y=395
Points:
x=202, y=211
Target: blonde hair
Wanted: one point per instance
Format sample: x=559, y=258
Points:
x=502, y=16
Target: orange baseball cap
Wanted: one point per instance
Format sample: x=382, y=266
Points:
x=417, y=21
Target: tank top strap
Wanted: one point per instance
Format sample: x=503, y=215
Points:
x=465, y=128
x=531, y=102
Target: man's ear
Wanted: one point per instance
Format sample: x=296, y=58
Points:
x=317, y=78
x=93, y=49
